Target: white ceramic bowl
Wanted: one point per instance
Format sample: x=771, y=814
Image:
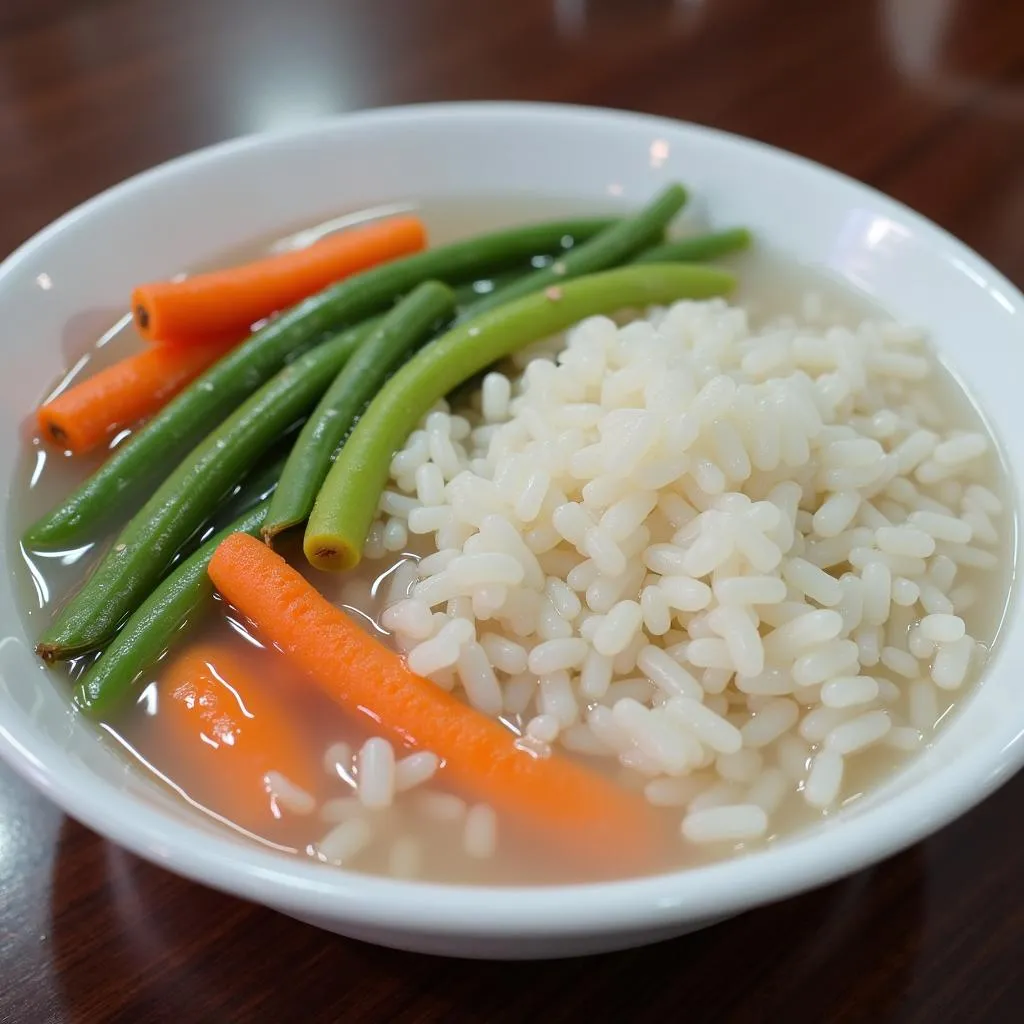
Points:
x=195, y=207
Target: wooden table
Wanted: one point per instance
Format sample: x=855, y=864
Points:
x=921, y=98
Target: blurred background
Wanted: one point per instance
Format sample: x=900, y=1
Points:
x=94, y=90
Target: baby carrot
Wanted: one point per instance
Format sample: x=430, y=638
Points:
x=236, y=727
x=139, y=464
x=207, y=305
x=92, y=411
x=145, y=548
x=566, y=802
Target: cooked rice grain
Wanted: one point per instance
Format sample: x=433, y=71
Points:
x=728, y=557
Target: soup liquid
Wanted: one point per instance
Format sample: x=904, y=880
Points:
x=770, y=287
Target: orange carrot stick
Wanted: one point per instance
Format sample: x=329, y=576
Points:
x=236, y=727
x=92, y=411
x=563, y=800
x=209, y=305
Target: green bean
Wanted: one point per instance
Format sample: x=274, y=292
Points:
x=145, y=548
x=697, y=247
x=255, y=488
x=467, y=294
x=141, y=461
x=694, y=249
x=611, y=247
x=347, y=502
x=412, y=321
x=155, y=625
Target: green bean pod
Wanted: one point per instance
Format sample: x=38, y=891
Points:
x=136, y=465
x=614, y=245
x=467, y=294
x=697, y=248
x=255, y=488
x=145, y=548
x=347, y=502
x=386, y=346
x=694, y=249
x=154, y=625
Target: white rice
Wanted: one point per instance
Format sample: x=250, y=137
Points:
x=952, y=661
x=285, y=795
x=904, y=738
x=345, y=841
x=861, y=732
x=740, y=766
x=667, y=673
x=793, y=755
x=725, y=824
x=375, y=773
x=848, y=691
x=478, y=678
x=340, y=808
x=704, y=725
x=337, y=760
x=480, y=832
x=415, y=769
x=824, y=779
x=731, y=559
x=441, y=807
x=618, y=628
x=543, y=728
x=677, y=791
x=942, y=628
x=769, y=722
x=922, y=706
x=900, y=662
x=769, y=790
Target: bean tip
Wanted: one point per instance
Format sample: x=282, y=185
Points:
x=322, y=554
x=48, y=652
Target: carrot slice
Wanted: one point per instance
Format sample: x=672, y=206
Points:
x=222, y=717
x=210, y=305
x=91, y=412
x=572, y=806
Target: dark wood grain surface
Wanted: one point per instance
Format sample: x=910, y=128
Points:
x=921, y=98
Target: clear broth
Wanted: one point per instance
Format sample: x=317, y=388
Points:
x=770, y=286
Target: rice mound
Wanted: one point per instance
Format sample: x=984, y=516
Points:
x=729, y=558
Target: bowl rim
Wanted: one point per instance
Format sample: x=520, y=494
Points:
x=807, y=860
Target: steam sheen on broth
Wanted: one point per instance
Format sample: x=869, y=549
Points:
x=770, y=288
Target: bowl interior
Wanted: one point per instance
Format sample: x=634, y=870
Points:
x=73, y=279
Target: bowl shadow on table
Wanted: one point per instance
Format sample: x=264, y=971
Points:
x=135, y=943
